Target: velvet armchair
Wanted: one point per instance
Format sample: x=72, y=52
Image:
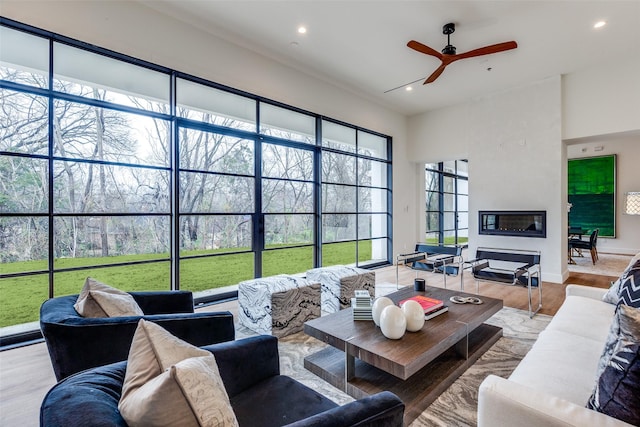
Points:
x=76, y=343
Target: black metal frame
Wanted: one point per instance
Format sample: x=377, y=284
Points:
x=175, y=124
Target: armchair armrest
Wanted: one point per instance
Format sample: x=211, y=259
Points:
x=246, y=362
x=506, y=403
x=383, y=409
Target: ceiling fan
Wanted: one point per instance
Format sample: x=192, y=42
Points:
x=449, y=55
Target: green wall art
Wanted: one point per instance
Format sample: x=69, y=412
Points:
x=592, y=194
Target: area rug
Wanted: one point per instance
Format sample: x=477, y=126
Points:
x=606, y=265
x=457, y=406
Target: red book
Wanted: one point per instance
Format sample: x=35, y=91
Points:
x=428, y=304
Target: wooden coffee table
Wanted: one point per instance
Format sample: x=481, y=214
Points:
x=419, y=366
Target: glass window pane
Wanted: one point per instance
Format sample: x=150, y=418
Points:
x=343, y=253
x=372, y=173
x=374, y=250
x=203, y=275
x=463, y=186
x=338, y=137
x=463, y=167
x=450, y=237
x=463, y=203
x=433, y=221
x=287, y=230
x=338, y=168
x=287, y=261
x=448, y=184
x=287, y=124
x=24, y=244
x=449, y=167
x=153, y=276
x=27, y=295
x=463, y=236
x=463, y=220
x=83, y=73
x=372, y=145
x=214, y=106
x=23, y=123
x=212, y=193
x=24, y=185
x=432, y=238
x=449, y=220
x=432, y=166
x=372, y=225
x=337, y=227
x=431, y=181
x=86, y=132
x=279, y=196
x=372, y=199
x=433, y=201
x=287, y=162
x=449, y=204
x=338, y=198
x=212, y=234
x=93, y=188
x=208, y=151
x=24, y=58
x=112, y=237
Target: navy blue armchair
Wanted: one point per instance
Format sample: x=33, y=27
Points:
x=259, y=395
x=76, y=343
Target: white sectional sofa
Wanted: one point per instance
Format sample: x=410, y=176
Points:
x=552, y=384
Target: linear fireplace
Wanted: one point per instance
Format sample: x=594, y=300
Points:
x=513, y=223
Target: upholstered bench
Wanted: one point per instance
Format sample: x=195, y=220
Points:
x=338, y=284
x=277, y=305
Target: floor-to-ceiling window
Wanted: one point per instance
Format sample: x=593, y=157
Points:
x=447, y=202
x=147, y=178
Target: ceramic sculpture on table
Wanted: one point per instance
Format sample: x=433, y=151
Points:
x=414, y=314
x=392, y=322
x=378, y=305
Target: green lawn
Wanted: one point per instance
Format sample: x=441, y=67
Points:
x=20, y=298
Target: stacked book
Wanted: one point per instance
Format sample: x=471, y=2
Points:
x=361, y=305
x=432, y=307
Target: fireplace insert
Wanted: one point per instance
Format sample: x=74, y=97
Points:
x=513, y=223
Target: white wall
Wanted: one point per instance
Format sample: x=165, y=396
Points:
x=602, y=100
x=627, y=150
x=133, y=29
x=513, y=142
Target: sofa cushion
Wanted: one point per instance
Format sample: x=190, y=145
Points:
x=630, y=286
x=618, y=389
x=283, y=400
x=583, y=316
x=613, y=294
x=170, y=382
x=97, y=299
x=560, y=364
x=625, y=326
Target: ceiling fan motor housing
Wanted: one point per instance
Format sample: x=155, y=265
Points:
x=448, y=29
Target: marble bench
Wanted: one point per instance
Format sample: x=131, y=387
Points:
x=338, y=284
x=277, y=305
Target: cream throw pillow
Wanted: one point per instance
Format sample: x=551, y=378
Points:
x=171, y=383
x=99, y=300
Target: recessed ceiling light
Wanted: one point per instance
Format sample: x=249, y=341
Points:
x=599, y=24
x=408, y=88
x=302, y=29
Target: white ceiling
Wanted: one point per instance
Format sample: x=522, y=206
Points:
x=361, y=45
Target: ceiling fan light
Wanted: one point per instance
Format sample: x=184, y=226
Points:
x=599, y=24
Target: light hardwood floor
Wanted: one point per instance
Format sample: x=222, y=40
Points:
x=26, y=374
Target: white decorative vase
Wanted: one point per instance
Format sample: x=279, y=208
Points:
x=414, y=314
x=392, y=322
x=378, y=305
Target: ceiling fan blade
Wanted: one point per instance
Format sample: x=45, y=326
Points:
x=435, y=74
x=487, y=50
x=424, y=49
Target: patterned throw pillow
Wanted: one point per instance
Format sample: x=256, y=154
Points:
x=99, y=300
x=630, y=286
x=170, y=382
x=618, y=389
x=625, y=330
x=613, y=294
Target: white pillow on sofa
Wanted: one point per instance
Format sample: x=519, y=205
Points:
x=170, y=382
x=97, y=299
